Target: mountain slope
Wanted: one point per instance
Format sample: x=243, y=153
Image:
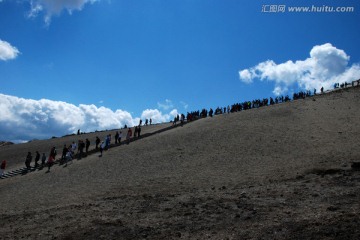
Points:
x=281, y=171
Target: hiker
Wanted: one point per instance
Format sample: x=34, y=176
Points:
x=81, y=148
x=69, y=156
x=120, y=136
x=37, y=159
x=212, y=111
x=43, y=159
x=78, y=145
x=182, y=119
x=150, y=121
x=107, y=142
x=135, y=131
x=87, y=145
x=102, y=146
x=322, y=89
x=73, y=147
x=53, y=153
x=116, y=137
x=139, y=131
x=146, y=121
x=51, y=159
x=97, y=142
x=128, y=136
x=64, y=151
x=28, y=160
x=2, y=168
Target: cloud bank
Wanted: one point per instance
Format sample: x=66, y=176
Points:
x=26, y=119
x=7, y=52
x=325, y=66
x=55, y=7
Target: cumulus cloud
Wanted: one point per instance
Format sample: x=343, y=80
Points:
x=174, y=113
x=26, y=119
x=325, y=66
x=7, y=52
x=55, y=7
x=157, y=116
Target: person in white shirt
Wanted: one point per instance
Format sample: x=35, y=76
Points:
x=73, y=147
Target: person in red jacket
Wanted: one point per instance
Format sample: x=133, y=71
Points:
x=51, y=159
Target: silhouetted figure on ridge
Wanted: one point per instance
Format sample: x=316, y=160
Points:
x=87, y=145
x=37, y=159
x=97, y=142
x=28, y=160
x=116, y=137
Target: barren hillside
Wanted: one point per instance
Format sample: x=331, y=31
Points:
x=277, y=172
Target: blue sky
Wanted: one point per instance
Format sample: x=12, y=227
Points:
x=109, y=63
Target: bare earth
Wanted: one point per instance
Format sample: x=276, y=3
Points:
x=278, y=172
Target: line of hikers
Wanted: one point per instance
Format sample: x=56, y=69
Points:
x=78, y=150
x=246, y=105
x=44, y=160
x=260, y=103
x=68, y=152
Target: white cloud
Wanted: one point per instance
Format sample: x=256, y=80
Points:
x=55, y=7
x=7, y=52
x=35, y=9
x=166, y=106
x=26, y=119
x=174, y=113
x=246, y=76
x=157, y=116
x=280, y=90
x=325, y=66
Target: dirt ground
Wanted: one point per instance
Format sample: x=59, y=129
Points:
x=278, y=172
